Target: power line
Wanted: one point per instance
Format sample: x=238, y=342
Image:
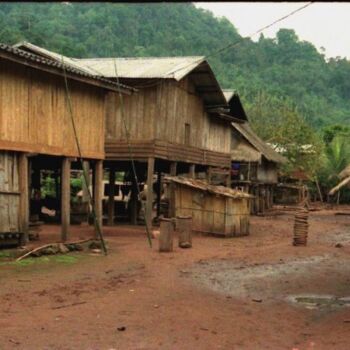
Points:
x=249, y=36
x=156, y=82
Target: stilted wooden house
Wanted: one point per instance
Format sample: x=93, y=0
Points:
x=36, y=132
x=174, y=124
x=254, y=167
x=173, y=121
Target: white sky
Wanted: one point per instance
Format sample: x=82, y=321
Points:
x=324, y=24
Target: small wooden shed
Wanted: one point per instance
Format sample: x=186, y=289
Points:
x=216, y=210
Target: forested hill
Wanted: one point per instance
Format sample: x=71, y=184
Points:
x=284, y=71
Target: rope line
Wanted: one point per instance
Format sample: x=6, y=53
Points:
x=127, y=134
x=91, y=200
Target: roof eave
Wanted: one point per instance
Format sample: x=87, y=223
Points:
x=58, y=71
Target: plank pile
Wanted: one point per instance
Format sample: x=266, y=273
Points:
x=301, y=227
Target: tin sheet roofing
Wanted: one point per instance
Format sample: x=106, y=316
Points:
x=205, y=187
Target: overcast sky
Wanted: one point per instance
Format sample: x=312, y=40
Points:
x=323, y=24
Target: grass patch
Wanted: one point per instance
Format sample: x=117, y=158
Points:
x=65, y=259
x=47, y=259
x=5, y=254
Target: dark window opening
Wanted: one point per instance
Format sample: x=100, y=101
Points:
x=187, y=133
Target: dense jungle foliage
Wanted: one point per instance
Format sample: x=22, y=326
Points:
x=293, y=95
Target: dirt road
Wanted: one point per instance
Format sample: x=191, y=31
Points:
x=235, y=293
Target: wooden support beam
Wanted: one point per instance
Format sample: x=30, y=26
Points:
x=173, y=169
x=171, y=210
x=192, y=172
x=209, y=174
x=57, y=185
x=111, y=195
x=159, y=191
x=86, y=169
x=65, y=198
x=98, y=192
x=149, y=198
x=133, y=202
x=23, y=175
x=228, y=179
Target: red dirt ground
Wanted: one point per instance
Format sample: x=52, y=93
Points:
x=199, y=298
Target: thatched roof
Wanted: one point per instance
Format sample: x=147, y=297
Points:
x=258, y=144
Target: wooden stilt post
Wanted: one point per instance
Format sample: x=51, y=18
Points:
x=192, y=172
x=133, y=202
x=228, y=179
x=171, y=210
x=24, y=197
x=111, y=195
x=159, y=191
x=173, y=169
x=149, y=198
x=86, y=186
x=98, y=189
x=209, y=174
x=65, y=198
x=86, y=169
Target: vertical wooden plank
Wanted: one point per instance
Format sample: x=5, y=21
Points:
x=65, y=198
x=149, y=199
x=111, y=195
x=24, y=196
x=159, y=191
x=192, y=172
x=133, y=201
x=173, y=170
x=209, y=174
x=98, y=192
x=228, y=179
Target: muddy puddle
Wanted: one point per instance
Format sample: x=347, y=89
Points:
x=314, y=301
x=292, y=279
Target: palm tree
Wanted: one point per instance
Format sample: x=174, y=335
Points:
x=337, y=158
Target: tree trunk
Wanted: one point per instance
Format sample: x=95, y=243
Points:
x=166, y=235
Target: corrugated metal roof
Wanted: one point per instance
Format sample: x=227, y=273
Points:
x=26, y=46
x=145, y=67
x=205, y=187
x=49, y=58
x=269, y=153
x=129, y=68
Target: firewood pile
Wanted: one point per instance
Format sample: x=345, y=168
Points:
x=301, y=227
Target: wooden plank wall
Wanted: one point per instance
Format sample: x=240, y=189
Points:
x=9, y=192
x=34, y=115
x=161, y=112
x=213, y=214
x=143, y=149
